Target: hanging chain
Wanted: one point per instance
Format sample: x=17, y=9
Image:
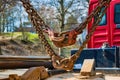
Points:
x=69, y=62
x=38, y=23
x=92, y=29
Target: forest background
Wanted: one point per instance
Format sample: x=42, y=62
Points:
x=17, y=35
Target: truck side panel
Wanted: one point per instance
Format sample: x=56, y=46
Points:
x=102, y=32
x=115, y=22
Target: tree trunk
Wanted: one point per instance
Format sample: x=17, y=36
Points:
x=12, y=27
x=62, y=15
x=62, y=22
x=0, y=51
x=21, y=26
x=3, y=23
x=0, y=24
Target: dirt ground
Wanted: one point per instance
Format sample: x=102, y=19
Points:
x=21, y=48
x=76, y=76
x=18, y=48
x=65, y=76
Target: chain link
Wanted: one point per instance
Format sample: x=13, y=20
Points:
x=39, y=25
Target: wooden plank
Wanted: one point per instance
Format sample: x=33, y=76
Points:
x=24, y=64
x=88, y=67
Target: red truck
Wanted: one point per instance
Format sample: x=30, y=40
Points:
x=108, y=29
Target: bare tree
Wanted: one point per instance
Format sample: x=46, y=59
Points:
x=62, y=7
x=5, y=12
x=64, y=11
x=6, y=4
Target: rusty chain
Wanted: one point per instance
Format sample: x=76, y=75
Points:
x=38, y=23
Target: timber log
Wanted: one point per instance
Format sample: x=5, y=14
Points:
x=15, y=62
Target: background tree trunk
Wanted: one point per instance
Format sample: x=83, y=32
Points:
x=0, y=51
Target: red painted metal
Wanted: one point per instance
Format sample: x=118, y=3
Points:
x=104, y=33
x=115, y=32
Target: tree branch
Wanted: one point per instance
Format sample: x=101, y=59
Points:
x=69, y=5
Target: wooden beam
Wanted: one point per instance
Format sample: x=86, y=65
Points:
x=24, y=64
x=88, y=68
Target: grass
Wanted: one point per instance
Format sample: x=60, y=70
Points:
x=18, y=35
x=33, y=37
x=9, y=34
